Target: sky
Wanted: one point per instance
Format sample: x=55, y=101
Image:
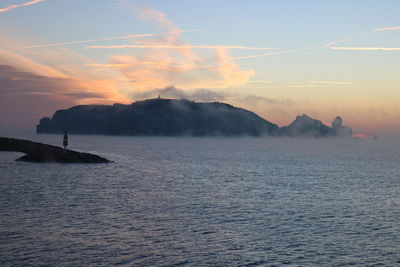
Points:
x=278, y=58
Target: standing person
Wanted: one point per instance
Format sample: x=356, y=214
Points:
x=65, y=140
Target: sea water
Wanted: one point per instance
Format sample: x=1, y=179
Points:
x=204, y=202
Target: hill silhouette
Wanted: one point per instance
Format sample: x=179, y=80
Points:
x=158, y=117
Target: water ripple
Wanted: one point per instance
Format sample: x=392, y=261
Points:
x=204, y=202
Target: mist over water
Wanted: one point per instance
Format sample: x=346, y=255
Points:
x=204, y=202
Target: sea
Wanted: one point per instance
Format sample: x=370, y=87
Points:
x=186, y=201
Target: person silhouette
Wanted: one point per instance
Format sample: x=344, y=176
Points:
x=65, y=140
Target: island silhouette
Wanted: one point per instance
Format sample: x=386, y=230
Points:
x=172, y=117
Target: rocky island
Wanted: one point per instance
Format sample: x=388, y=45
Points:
x=158, y=117
x=171, y=117
x=38, y=152
x=305, y=126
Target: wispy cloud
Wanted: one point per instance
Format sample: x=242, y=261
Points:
x=26, y=96
x=169, y=60
x=318, y=84
x=336, y=42
x=166, y=46
x=33, y=72
x=17, y=81
x=303, y=86
x=279, y=108
x=387, y=29
x=172, y=92
x=11, y=7
x=130, y=36
x=259, y=81
x=270, y=54
x=367, y=48
x=207, y=95
x=331, y=82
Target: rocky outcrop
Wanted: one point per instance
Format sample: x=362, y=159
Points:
x=38, y=152
x=158, y=117
x=305, y=126
x=339, y=129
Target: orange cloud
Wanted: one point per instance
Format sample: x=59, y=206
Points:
x=26, y=96
x=22, y=75
x=231, y=72
x=11, y=7
x=171, y=61
x=36, y=83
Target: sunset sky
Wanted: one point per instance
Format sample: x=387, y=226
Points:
x=278, y=58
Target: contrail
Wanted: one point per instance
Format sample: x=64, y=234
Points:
x=367, y=48
x=178, y=46
x=336, y=42
x=269, y=54
x=331, y=82
x=387, y=29
x=11, y=7
x=106, y=39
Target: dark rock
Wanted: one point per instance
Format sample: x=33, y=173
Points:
x=38, y=152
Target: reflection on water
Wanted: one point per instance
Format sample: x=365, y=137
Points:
x=199, y=201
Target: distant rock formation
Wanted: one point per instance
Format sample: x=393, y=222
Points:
x=38, y=152
x=339, y=130
x=307, y=127
x=158, y=117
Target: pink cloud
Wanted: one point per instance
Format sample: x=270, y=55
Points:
x=11, y=7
